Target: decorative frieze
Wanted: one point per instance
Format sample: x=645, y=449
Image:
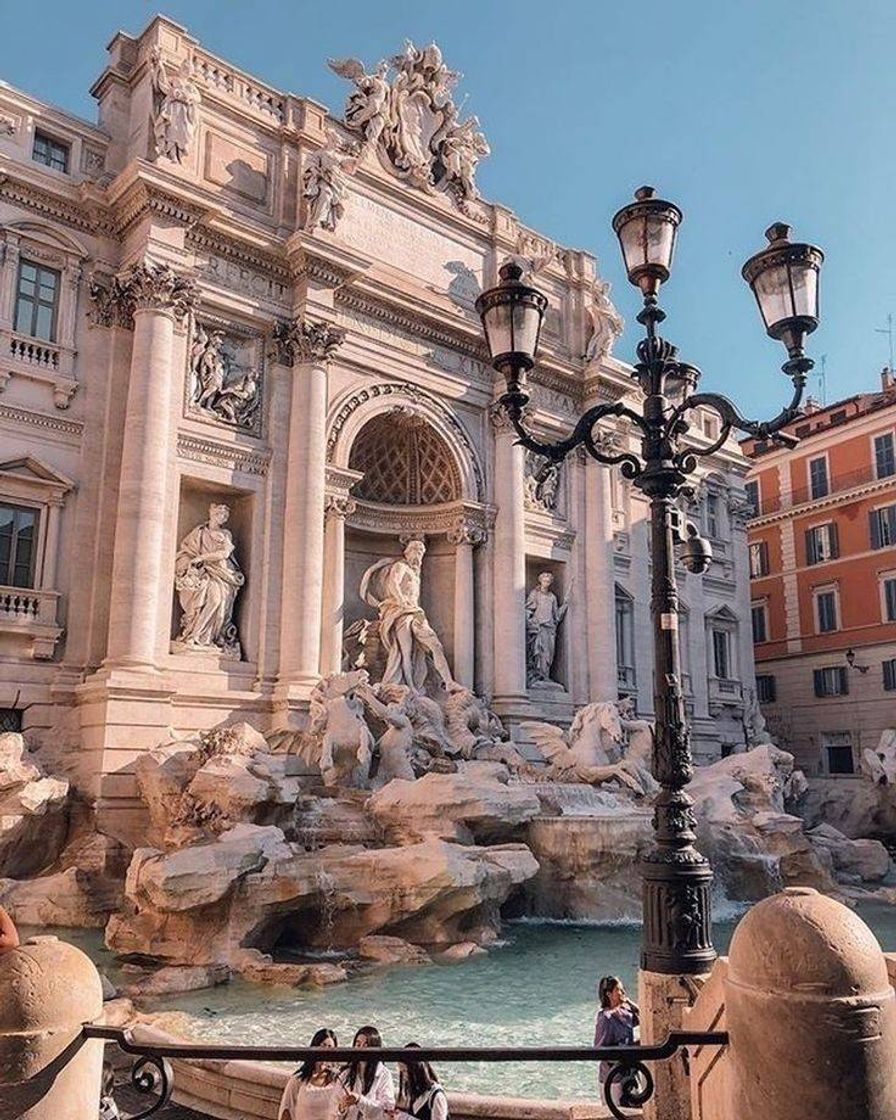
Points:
x=230, y=456
x=41, y=420
x=297, y=340
x=542, y=484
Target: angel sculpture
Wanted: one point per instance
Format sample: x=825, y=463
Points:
x=176, y=101
x=367, y=106
x=585, y=753
x=463, y=148
x=323, y=185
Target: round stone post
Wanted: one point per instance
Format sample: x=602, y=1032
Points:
x=307, y=347
x=811, y=1014
x=510, y=569
x=48, y=990
x=158, y=298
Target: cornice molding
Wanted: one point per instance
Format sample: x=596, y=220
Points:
x=842, y=497
x=230, y=456
x=41, y=420
x=70, y=212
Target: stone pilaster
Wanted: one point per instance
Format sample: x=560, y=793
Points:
x=308, y=348
x=509, y=550
x=599, y=591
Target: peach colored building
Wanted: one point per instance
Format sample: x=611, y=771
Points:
x=222, y=294
x=822, y=545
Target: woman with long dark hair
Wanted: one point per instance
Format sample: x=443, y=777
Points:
x=419, y=1093
x=313, y=1092
x=616, y=1021
x=368, y=1087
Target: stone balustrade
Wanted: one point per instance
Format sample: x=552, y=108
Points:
x=33, y=613
x=39, y=360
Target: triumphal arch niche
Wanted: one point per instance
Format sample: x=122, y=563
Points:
x=413, y=474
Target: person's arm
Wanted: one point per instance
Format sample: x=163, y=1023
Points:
x=439, y=1107
x=636, y=1012
x=9, y=935
x=601, y=1031
x=381, y=1099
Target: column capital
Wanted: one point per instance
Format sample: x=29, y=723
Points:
x=145, y=285
x=465, y=531
x=295, y=341
x=501, y=421
x=340, y=506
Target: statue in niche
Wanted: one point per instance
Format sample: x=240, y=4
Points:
x=323, y=184
x=220, y=387
x=410, y=643
x=207, y=579
x=543, y=617
x=542, y=484
x=175, y=104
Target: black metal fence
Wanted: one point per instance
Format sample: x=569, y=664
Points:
x=628, y=1085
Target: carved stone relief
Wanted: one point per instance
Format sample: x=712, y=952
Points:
x=225, y=376
x=324, y=185
x=543, y=484
x=606, y=323
x=411, y=122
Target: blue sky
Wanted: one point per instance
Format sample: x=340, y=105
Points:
x=742, y=113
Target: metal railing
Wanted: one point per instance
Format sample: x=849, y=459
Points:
x=838, y=484
x=152, y=1073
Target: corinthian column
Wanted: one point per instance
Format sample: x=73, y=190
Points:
x=464, y=537
x=338, y=508
x=509, y=567
x=157, y=298
x=307, y=347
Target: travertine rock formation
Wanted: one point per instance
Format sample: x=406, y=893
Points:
x=33, y=811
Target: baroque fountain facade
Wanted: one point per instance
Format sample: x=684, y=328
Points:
x=306, y=650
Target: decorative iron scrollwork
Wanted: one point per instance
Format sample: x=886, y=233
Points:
x=636, y=1087
x=152, y=1074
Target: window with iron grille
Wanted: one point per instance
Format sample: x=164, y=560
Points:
x=818, y=477
x=822, y=543
x=625, y=639
x=884, y=455
x=766, y=689
x=831, y=681
x=18, y=538
x=883, y=526
x=50, y=152
x=37, y=301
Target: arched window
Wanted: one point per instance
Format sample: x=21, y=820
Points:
x=404, y=461
x=625, y=639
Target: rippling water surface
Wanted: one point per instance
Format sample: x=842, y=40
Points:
x=537, y=989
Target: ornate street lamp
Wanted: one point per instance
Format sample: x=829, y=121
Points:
x=784, y=278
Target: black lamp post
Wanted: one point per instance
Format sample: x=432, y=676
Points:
x=784, y=278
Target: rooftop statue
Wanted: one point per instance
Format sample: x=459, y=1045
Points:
x=174, y=111
x=412, y=122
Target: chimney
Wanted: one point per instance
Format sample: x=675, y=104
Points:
x=810, y=405
x=887, y=380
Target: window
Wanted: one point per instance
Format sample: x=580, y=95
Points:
x=837, y=746
x=888, y=597
x=758, y=559
x=18, y=536
x=751, y=493
x=838, y=417
x=802, y=430
x=883, y=527
x=709, y=427
x=37, y=300
x=50, y=152
x=721, y=654
x=884, y=457
x=822, y=543
x=826, y=611
x=760, y=623
x=712, y=516
x=889, y=668
x=766, y=690
x=818, y=477
x=831, y=681
x=625, y=639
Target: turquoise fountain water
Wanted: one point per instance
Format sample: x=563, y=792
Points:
x=537, y=988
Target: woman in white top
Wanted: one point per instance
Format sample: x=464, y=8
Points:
x=368, y=1087
x=313, y=1092
x=420, y=1096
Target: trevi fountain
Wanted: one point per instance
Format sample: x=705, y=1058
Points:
x=317, y=713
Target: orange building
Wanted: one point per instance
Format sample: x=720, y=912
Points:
x=822, y=543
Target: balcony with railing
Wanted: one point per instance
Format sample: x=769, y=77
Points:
x=837, y=484
x=28, y=613
x=39, y=360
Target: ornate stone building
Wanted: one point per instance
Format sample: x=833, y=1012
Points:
x=222, y=295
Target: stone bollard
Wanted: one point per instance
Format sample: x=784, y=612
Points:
x=810, y=1013
x=48, y=990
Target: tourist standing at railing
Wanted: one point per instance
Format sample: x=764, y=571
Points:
x=313, y=1092
x=616, y=1020
x=368, y=1087
x=420, y=1096
x=9, y=935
